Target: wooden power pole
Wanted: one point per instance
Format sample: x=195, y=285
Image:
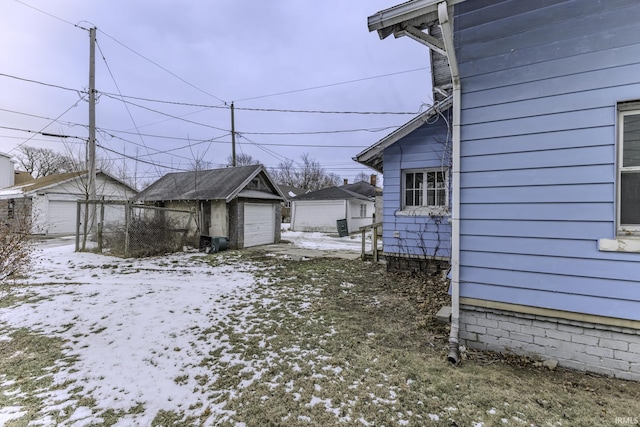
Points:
x=233, y=139
x=91, y=146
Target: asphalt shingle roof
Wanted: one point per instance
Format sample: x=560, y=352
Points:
x=213, y=184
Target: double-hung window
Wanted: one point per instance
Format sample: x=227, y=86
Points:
x=425, y=188
x=629, y=169
x=363, y=210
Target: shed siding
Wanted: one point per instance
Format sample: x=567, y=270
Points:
x=419, y=236
x=540, y=84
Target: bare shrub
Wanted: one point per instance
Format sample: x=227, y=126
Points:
x=16, y=248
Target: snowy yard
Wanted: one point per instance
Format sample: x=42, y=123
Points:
x=249, y=338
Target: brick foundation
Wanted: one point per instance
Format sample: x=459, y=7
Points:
x=584, y=346
x=404, y=264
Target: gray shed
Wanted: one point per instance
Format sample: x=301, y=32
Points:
x=242, y=203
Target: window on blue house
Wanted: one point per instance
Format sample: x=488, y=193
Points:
x=629, y=168
x=424, y=188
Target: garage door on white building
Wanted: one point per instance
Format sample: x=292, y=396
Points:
x=259, y=224
x=62, y=217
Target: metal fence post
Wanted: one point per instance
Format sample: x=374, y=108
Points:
x=127, y=224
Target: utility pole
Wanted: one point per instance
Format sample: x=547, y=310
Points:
x=91, y=146
x=233, y=138
x=90, y=208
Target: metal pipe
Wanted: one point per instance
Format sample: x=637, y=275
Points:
x=447, y=35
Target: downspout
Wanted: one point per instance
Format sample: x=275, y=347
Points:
x=447, y=35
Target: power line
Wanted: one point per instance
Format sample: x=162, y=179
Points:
x=125, y=104
x=322, y=132
x=333, y=84
x=169, y=115
x=275, y=110
x=51, y=15
x=163, y=68
x=139, y=160
x=80, y=93
x=41, y=130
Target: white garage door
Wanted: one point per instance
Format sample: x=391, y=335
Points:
x=259, y=224
x=62, y=217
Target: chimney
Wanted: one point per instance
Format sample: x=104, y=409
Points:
x=345, y=181
x=373, y=179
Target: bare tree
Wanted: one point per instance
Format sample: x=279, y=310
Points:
x=362, y=176
x=41, y=162
x=243, y=159
x=16, y=248
x=285, y=173
x=310, y=175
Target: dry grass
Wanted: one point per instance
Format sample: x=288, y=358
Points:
x=370, y=350
x=327, y=341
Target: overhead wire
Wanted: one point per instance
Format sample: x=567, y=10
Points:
x=275, y=110
x=40, y=132
x=331, y=84
x=120, y=92
x=51, y=15
x=80, y=93
x=163, y=68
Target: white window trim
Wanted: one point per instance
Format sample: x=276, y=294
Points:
x=423, y=210
x=623, y=230
x=362, y=206
x=627, y=237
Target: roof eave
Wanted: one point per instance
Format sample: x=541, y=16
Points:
x=384, y=21
x=371, y=157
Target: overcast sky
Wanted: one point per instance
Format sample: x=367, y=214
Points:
x=275, y=55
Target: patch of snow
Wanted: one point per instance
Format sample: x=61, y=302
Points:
x=9, y=413
x=433, y=417
x=120, y=314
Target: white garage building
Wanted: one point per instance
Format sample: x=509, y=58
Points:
x=52, y=200
x=321, y=210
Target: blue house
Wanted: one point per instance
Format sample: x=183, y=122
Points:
x=416, y=163
x=545, y=172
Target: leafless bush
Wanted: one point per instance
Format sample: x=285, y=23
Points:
x=16, y=248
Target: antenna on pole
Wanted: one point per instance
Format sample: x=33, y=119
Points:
x=233, y=139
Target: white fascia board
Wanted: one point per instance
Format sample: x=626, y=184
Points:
x=404, y=12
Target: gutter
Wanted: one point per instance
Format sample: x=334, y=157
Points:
x=447, y=35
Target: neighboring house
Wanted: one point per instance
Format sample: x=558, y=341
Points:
x=416, y=163
x=320, y=210
x=7, y=174
x=289, y=192
x=545, y=246
x=239, y=203
x=52, y=200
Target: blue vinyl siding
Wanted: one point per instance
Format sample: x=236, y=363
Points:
x=540, y=83
x=418, y=236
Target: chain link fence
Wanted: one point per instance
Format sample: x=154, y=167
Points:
x=126, y=229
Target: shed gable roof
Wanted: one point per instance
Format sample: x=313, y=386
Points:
x=214, y=184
